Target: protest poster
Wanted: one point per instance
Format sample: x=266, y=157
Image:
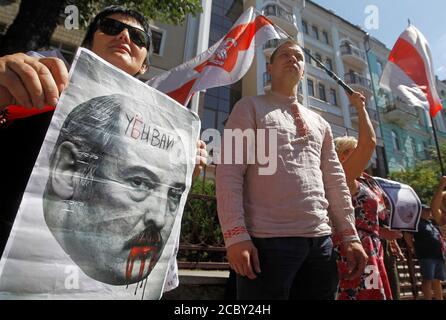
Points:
x=101, y=213
x=405, y=206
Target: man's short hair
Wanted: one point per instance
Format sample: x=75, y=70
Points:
x=281, y=43
x=90, y=127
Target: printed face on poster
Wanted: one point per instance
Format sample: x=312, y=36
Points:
x=405, y=205
x=102, y=210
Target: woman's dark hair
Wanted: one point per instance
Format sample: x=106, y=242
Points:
x=108, y=11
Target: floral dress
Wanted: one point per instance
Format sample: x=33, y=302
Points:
x=373, y=284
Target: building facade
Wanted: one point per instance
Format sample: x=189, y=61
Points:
x=336, y=43
x=404, y=132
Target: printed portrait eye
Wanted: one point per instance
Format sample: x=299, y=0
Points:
x=175, y=193
x=140, y=183
x=136, y=182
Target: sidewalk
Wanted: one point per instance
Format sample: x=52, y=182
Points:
x=199, y=285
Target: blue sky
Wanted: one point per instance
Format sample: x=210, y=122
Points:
x=429, y=16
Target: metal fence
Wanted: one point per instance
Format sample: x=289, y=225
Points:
x=201, y=241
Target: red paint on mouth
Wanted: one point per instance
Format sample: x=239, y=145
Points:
x=142, y=254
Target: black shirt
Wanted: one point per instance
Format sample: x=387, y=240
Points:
x=20, y=142
x=428, y=240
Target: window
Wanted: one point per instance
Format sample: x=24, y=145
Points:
x=315, y=32
x=157, y=40
x=217, y=106
x=322, y=95
x=305, y=26
x=209, y=118
x=425, y=150
x=329, y=64
x=221, y=120
x=307, y=55
x=395, y=141
x=325, y=37
x=420, y=148
x=269, y=10
x=310, y=85
x=299, y=88
x=333, y=97
x=413, y=145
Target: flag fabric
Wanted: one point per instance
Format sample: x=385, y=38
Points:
x=409, y=72
x=224, y=63
x=18, y=112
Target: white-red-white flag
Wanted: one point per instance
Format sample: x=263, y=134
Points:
x=409, y=72
x=224, y=63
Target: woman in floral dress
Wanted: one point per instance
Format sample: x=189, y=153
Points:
x=368, y=199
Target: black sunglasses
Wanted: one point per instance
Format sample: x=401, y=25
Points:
x=113, y=27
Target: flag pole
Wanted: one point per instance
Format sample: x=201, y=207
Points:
x=436, y=144
x=368, y=48
x=332, y=75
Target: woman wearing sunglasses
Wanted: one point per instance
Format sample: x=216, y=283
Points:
x=123, y=39
x=118, y=35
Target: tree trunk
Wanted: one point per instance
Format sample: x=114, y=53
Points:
x=33, y=26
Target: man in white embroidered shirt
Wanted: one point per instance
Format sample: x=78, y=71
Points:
x=277, y=226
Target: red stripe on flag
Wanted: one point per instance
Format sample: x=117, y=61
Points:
x=243, y=35
x=181, y=94
x=405, y=56
x=18, y=112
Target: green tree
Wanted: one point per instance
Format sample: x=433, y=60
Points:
x=37, y=19
x=424, y=176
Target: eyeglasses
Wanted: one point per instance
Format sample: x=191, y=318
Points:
x=113, y=27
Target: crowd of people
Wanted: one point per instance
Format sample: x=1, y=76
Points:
x=317, y=228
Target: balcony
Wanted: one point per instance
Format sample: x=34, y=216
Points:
x=281, y=17
x=354, y=56
x=359, y=83
x=373, y=115
x=401, y=113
